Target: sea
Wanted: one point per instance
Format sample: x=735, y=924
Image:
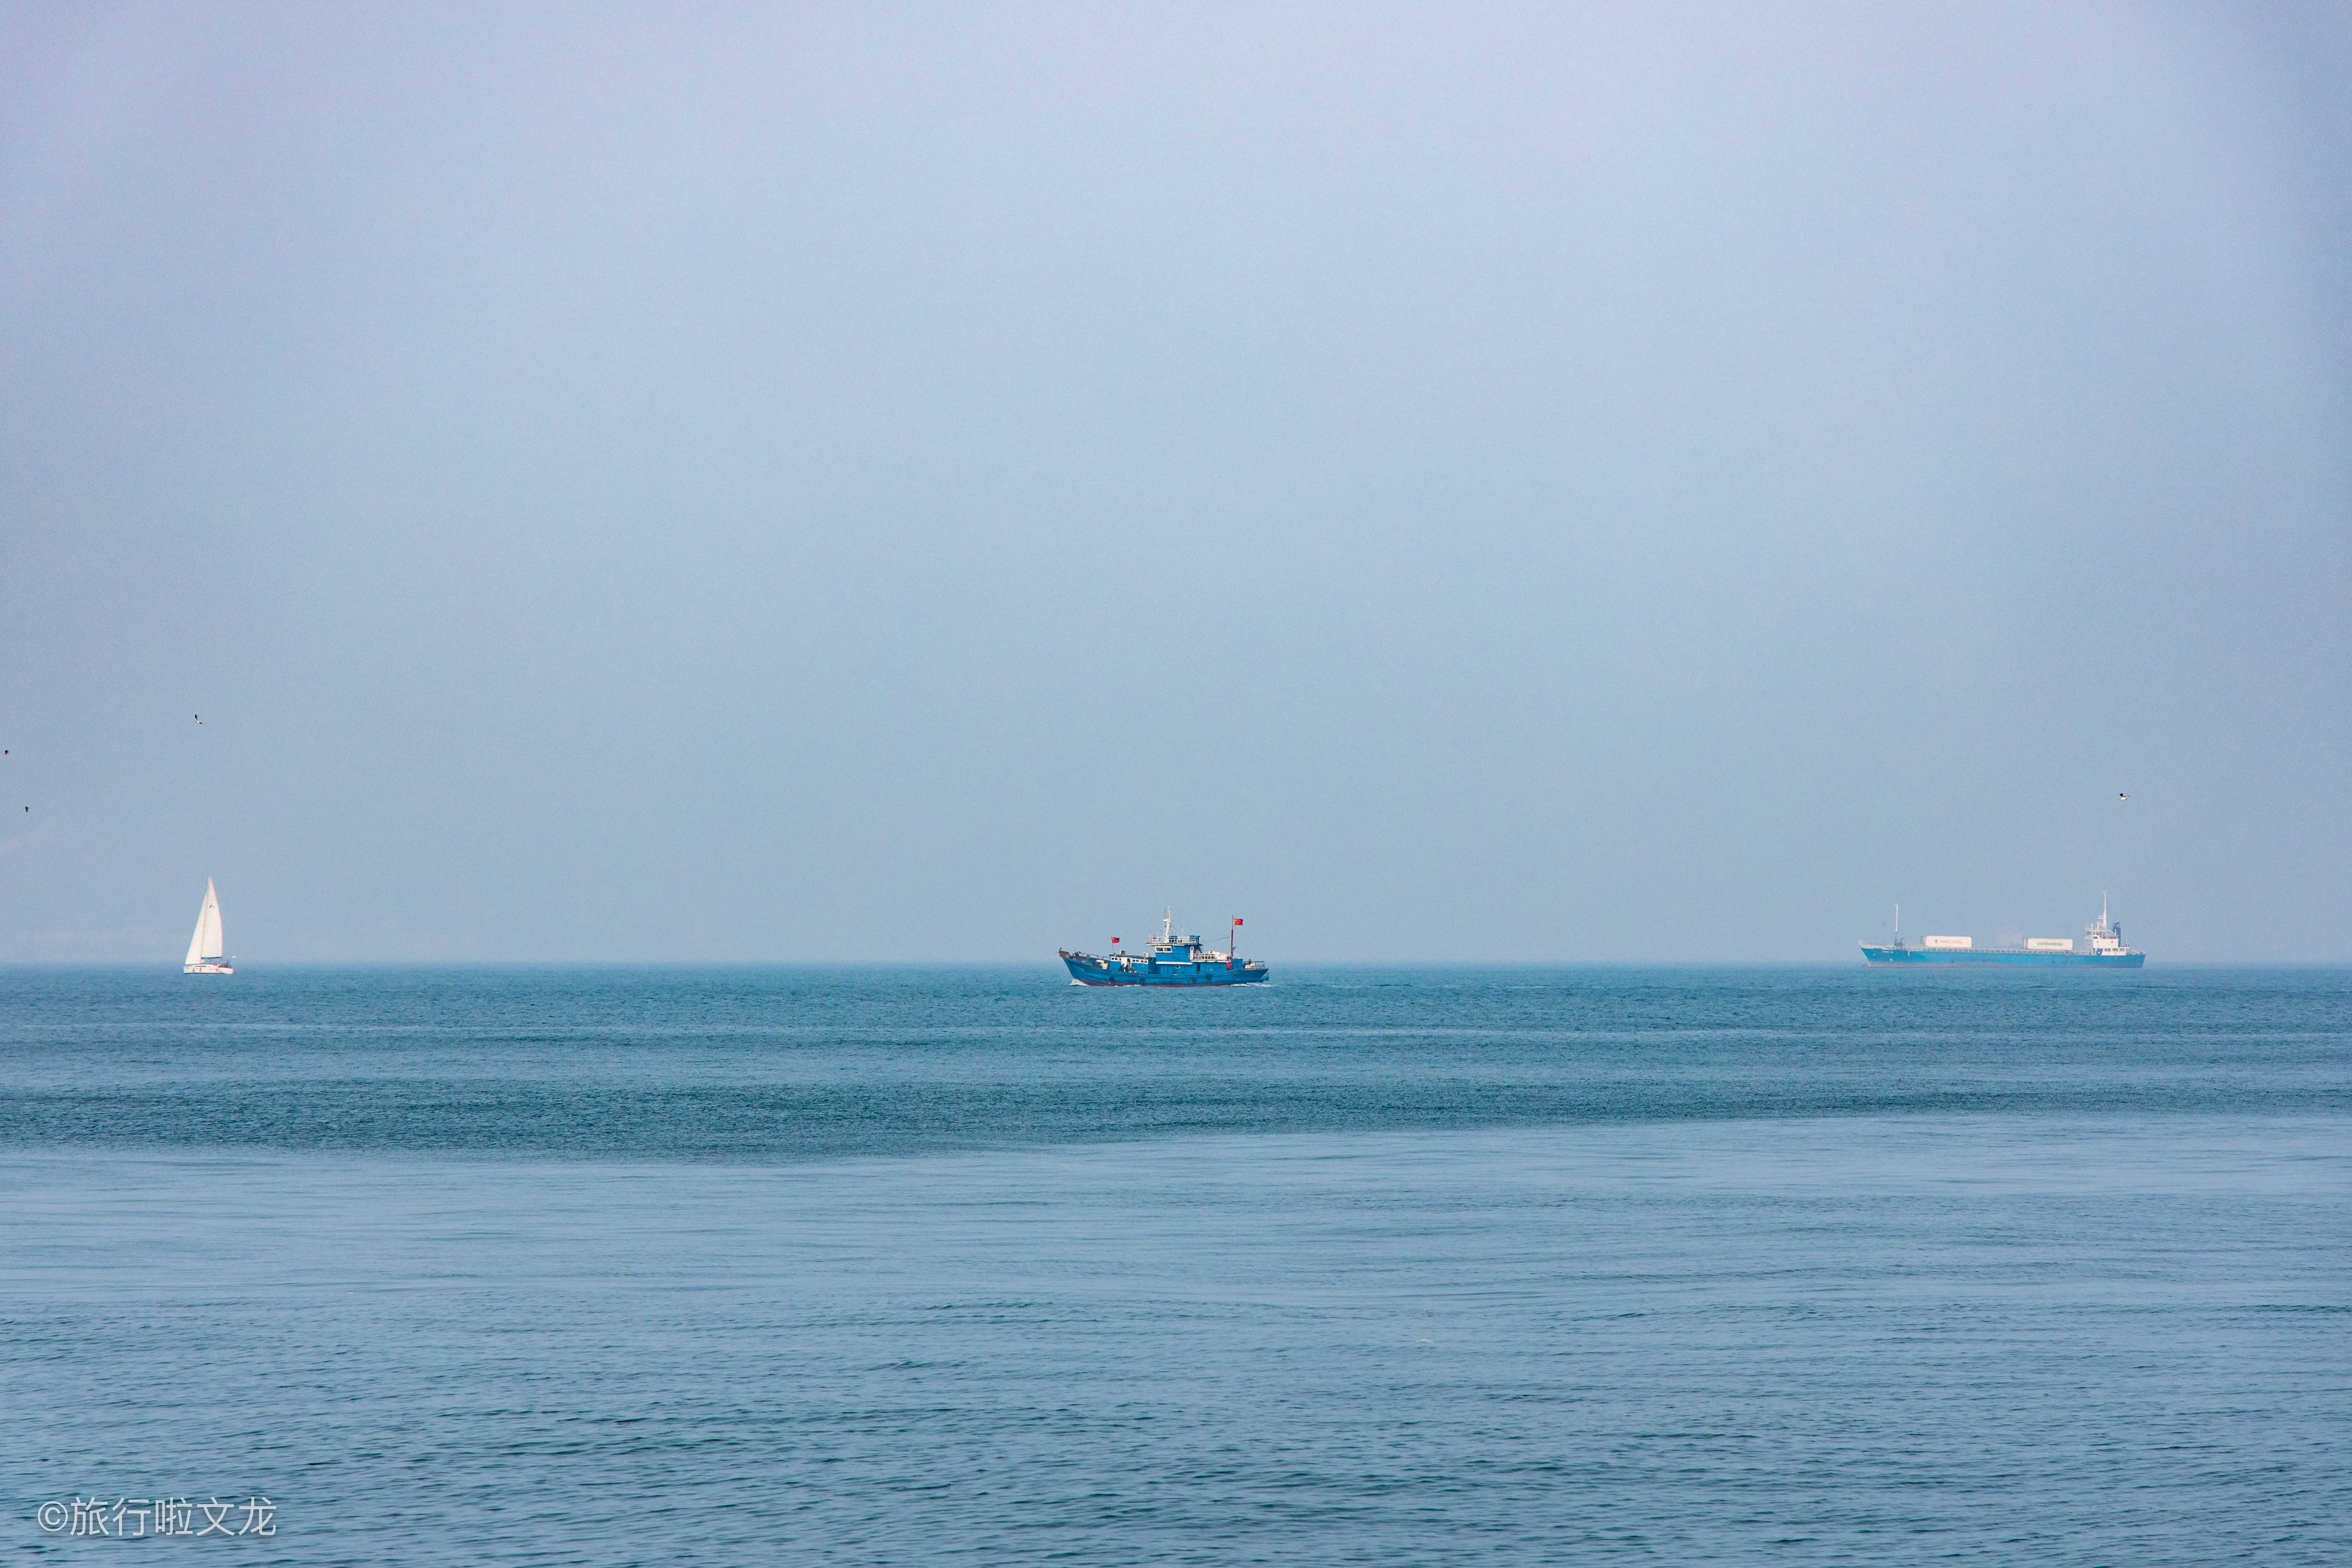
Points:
x=1444, y=1266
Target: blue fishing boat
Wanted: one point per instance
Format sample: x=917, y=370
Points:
x=1171, y=961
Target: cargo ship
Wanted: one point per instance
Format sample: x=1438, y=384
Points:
x=2101, y=946
x=1171, y=961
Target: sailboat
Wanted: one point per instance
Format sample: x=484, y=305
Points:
x=204, y=947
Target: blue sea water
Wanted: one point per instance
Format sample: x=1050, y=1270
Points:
x=867, y=1266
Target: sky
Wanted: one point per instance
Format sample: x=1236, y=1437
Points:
x=944, y=482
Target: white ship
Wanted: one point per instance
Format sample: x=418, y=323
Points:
x=2101, y=946
x=204, y=947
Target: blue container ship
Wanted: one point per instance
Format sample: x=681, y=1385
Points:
x=1171, y=960
x=2101, y=946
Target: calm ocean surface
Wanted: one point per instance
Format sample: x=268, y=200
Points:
x=866, y=1266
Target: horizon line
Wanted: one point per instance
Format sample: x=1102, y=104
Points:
x=1842, y=963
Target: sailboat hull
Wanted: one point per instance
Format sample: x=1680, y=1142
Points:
x=208, y=969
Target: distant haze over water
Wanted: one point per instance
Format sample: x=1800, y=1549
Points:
x=1500, y=483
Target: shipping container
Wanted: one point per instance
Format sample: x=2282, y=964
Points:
x=1951, y=941
x=2049, y=945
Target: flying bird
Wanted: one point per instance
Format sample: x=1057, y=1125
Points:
x=2120, y=796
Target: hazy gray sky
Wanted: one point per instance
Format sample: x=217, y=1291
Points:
x=862, y=481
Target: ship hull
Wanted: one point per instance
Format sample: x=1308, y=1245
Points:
x=2003, y=957
x=1089, y=974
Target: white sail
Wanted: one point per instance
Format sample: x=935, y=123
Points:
x=205, y=946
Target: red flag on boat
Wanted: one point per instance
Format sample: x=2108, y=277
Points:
x=1237, y=920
